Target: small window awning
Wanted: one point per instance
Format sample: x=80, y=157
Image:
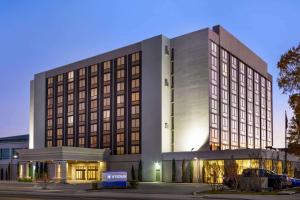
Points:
x=61, y=153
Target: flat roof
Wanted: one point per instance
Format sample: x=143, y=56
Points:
x=17, y=138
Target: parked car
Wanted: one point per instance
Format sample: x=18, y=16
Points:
x=276, y=181
x=295, y=182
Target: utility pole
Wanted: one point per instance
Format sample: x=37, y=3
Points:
x=285, y=144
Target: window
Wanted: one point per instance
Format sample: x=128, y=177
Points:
x=60, y=78
x=60, y=88
x=135, y=136
x=59, y=121
x=94, y=116
x=81, y=106
x=135, y=70
x=5, y=153
x=106, y=126
x=106, y=65
x=120, y=61
x=82, y=83
x=81, y=94
x=214, y=133
x=214, y=91
x=70, y=119
x=59, y=110
x=135, y=57
x=70, y=142
x=70, y=97
x=81, y=118
x=135, y=109
x=59, y=132
x=94, y=104
x=135, y=149
x=135, y=96
x=224, y=69
x=93, y=141
x=106, y=77
x=70, y=131
x=94, y=68
x=120, y=73
x=70, y=86
x=120, y=138
x=82, y=72
x=135, y=83
x=81, y=142
x=106, y=102
x=106, y=114
x=120, y=99
x=71, y=76
x=50, y=81
x=94, y=93
x=135, y=123
x=214, y=76
x=120, y=86
x=120, y=112
x=94, y=80
x=50, y=91
x=81, y=130
x=49, y=122
x=120, y=150
x=224, y=54
x=94, y=128
x=214, y=105
x=213, y=62
x=70, y=109
x=214, y=120
x=213, y=48
x=106, y=89
x=49, y=133
x=59, y=99
x=120, y=125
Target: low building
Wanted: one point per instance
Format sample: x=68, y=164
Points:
x=201, y=95
x=9, y=157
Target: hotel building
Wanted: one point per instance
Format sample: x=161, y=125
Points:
x=193, y=96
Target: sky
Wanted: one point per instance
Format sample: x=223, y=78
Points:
x=40, y=35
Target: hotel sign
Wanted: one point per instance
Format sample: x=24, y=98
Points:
x=112, y=179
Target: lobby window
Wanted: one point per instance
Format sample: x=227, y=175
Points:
x=135, y=83
x=120, y=61
x=135, y=70
x=121, y=73
x=71, y=76
x=135, y=96
x=135, y=57
x=94, y=68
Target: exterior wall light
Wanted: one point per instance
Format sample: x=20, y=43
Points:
x=157, y=165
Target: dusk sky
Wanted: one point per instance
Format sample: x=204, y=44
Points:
x=39, y=35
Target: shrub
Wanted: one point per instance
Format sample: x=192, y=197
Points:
x=133, y=184
x=25, y=180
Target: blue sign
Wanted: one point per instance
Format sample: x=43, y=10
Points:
x=114, y=179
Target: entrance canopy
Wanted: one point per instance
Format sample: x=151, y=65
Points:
x=61, y=153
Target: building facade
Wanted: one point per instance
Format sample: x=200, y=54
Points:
x=9, y=157
x=204, y=91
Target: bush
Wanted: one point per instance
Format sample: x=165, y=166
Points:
x=133, y=184
x=25, y=180
x=94, y=186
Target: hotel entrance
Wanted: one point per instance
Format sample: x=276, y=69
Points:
x=85, y=171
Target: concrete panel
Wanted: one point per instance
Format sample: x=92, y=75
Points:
x=39, y=105
x=191, y=91
x=151, y=105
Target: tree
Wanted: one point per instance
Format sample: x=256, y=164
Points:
x=183, y=174
x=191, y=171
x=289, y=83
x=140, y=171
x=173, y=170
x=132, y=173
